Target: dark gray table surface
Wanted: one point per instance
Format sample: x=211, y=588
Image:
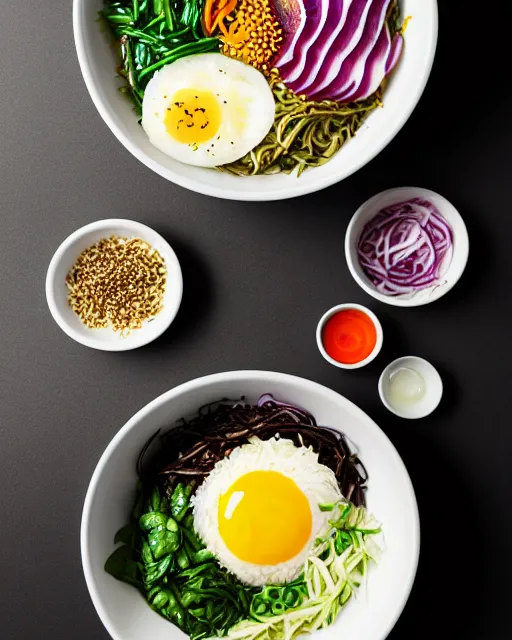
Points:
x=257, y=278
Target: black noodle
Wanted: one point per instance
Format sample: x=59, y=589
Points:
x=191, y=449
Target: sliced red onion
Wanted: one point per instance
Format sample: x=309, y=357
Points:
x=406, y=247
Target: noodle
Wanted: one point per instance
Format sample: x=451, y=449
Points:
x=305, y=134
x=192, y=449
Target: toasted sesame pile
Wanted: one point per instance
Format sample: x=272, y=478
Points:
x=117, y=283
x=254, y=34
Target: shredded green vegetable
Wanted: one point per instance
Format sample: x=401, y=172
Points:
x=153, y=33
x=335, y=569
x=161, y=555
x=305, y=134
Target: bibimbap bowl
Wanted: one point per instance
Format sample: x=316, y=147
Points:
x=390, y=497
x=401, y=92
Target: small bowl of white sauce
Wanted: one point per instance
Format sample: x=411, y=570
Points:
x=410, y=387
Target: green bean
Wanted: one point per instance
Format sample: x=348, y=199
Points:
x=129, y=70
x=153, y=33
x=197, y=30
x=186, y=13
x=153, y=22
x=169, y=17
x=143, y=37
x=178, y=33
x=202, y=46
x=118, y=19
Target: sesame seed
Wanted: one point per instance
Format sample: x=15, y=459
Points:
x=117, y=283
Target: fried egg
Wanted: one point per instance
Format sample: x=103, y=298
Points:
x=258, y=510
x=207, y=109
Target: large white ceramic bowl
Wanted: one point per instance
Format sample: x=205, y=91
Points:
x=108, y=503
x=98, y=62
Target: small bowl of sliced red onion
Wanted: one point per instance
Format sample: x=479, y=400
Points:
x=406, y=246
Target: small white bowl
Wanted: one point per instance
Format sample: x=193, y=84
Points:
x=107, y=339
x=329, y=314
x=433, y=387
x=384, y=199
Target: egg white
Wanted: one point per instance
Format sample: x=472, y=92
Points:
x=300, y=464
x=244, y=97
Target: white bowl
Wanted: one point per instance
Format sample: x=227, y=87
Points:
x=329, y=314
x=384, y=199
x=391, y=498
x=98, y=62
x=107, y=339
x=433, y=387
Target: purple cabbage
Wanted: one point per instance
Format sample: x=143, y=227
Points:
x=337, y=14
x=292, y=16
x=311, y=29
x=397, y=46
x=341, y=49
x=406, y=247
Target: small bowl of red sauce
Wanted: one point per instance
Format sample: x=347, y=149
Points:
x=349, y=336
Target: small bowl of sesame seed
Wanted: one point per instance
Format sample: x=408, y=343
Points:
x=114, y=285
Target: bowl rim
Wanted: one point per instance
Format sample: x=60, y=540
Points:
x=291, y=189
x=462, y=248
x=378, y=327
x=169, y=311
x=385, y=372
x=237, y=377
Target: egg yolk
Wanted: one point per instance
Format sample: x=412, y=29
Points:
x=264, y=518
x=192, y=116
